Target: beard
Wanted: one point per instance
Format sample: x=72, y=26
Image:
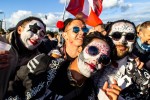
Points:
x=122, y=53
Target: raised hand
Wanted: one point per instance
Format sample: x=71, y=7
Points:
x=112, y=91
x=139, y=63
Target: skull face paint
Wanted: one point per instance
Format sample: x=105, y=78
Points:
x=89, y=59
x=32, y=34
x=123, y=36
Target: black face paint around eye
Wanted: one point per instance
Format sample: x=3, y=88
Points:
x=34, y=28
x=93, y=51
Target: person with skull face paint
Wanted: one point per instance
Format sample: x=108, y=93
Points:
x=142, y=45
x=55, y=78
x=124, y=69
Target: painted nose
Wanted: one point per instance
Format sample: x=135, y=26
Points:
x=123, y=40
x=36, y=36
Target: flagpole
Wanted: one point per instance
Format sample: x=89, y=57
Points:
x=61, y=43
x=64, y=9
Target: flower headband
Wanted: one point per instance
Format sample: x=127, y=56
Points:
x=60, y=24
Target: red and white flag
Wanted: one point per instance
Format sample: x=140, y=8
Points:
x=89, y=10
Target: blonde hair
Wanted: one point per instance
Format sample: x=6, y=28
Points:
x=144, y=25
x=138, y=28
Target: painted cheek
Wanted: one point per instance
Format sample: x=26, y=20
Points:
x=25, y=36
x=42, y=33
x=36, y=36
x=115, y=42
x=72, y=37
x=86, y=50
x=29, y=34
x=99, y=66
x=71, y=42
x=130, y=46
x=104, y=49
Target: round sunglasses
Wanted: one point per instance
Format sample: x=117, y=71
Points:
x=76, y=29
x=103, y=59
x=118, y=35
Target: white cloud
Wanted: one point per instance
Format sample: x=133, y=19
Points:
x=17, y=16
x=50, y=22
x=135, y=12
x=109, y=4
x=138, y=13
x=125, y=7
x=106, y=3
x=52, y=18
x=64, y=1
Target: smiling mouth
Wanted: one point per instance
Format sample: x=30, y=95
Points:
x=80, y=38
x=92, y=66
x=121, y=47
x=33, y=42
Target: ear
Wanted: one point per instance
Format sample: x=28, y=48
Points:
x=65, y=36
x=19, y=29
x=140, y=35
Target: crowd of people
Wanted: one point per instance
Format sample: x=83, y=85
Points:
x=107, y=62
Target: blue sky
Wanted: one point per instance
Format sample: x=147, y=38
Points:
x=36, y=6
x=14, y=10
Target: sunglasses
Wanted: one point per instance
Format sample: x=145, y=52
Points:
x=76, y=29
x=104, y=59
x=118, y=35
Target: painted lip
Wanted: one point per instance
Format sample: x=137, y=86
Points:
x=34, y=42
x=92, y=66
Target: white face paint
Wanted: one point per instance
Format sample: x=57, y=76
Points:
x=122, y=44
x=32, y=34
x=88, y=63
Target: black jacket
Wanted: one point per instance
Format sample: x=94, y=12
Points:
x=143, y=55
x=48, y=81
